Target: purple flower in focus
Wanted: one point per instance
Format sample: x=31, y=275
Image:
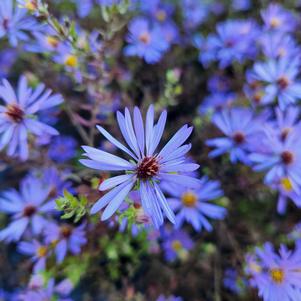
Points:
x=280, y=78
x=27, y=208
x=145, y=42
x=65, y=238
x=277, y=276
x=17, y=116
x=62, y=149
x=193, y=206
x=176, y=245
x=241, y=128
x=147, y=167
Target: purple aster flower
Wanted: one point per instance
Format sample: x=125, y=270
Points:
x=234, y=41
x=276, y=17
x=241, y=5
x=62, y=149
x=145, y=42
x=14, y=24
x=233, y=282
x=38, y=253
x=65, y=238
x=241, y=129
x=218, y=83
x=278, y=277
x=17, y=116
x=281, y=158
x=193, y=206
x=277, y=45
x=280, y=80
x=176, y=245
x=39, y=290
x=27, y=207
x=147, y=167
x=170, y=298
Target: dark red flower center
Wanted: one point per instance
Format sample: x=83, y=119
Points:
x=239, y=137
x=287, y=157
x=29, y=210
x=148, y=168
x=66, y=231
x=15, y=113
x=283, y=82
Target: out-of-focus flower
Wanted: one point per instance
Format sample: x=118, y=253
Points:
x=17, y=116
x=38, y=289
x=277, y=18
x=170, y=298
x=14, y=24
x=7, y=59
x=280, y=80
x=233, y=282
x=277, y=276
x=62, y=149
x=27, y=207
x=176, y=245
x=65, y=238
x=147, y=167
x=193, y=206
x=145, y=42
x=234, y=42
x=38, y=252
x=240, y=128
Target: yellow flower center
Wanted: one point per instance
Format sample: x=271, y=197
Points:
x=30, y=4
x=255, y=267
x=189, y=199
x=41, y=251
x=161, y=15
x=275, y=22
x=176, y=245
x=71, y=61
x=286, y=184
x=277, y=275
x=52, y=41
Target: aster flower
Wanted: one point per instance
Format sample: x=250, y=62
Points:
x=14, y=24
x=62, y=149
x=27, y=208
x=280, y=158
x=38, y=253
x=145, y=42
x=280, y=79
x=233, y=282
x=177, y=244
x=8, y=58
x=17, y=116
x=65, y=238
x=234, y=41
x=240, y=127
x=278, y=278
x=193, y=206
x=147, y=166
x=276, y=17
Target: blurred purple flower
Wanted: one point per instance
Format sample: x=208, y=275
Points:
x=146, y=168
x=62, y=149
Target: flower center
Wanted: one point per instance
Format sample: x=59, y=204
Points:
x=161, y=15
x=189, y=199
x=66, y=231
x=239, y=137
x=275, y=22
x=277, y=275
x=287, y=157
x=42, y=251
x=71, y=61
x=286, y=184
x=148, y=168
x=31, y=4
x=176, y=245
x=29, y=210
x=15, y=113
x=283, y=82
x=52, y=41
x=145, y=38
x=5, y=23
